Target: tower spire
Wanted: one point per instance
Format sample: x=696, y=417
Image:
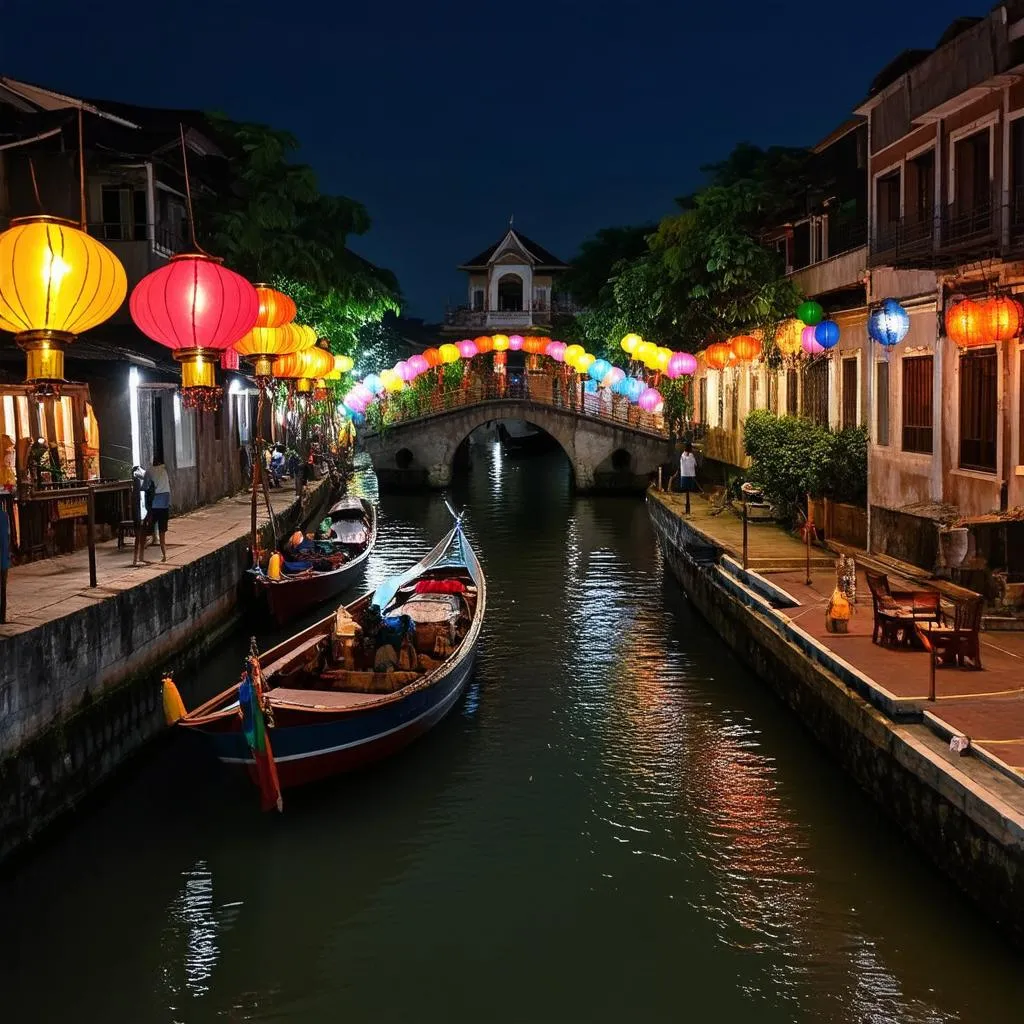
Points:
x=511, y=220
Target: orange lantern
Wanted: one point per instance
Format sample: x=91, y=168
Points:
x=276, y=308
x=1002, y=317
x=432, y=356
x=484, y=343
x=262, y=344
x=718, y=355
x=745, y=347
x=789, y=337
x=966, y=324
x=310, y=363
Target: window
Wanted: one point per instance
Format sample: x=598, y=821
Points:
x=816, y=391
x=917, y=404
x=887, y=209
x=921, y=191
x=242, y=414
x=781, y=246
x=1017, y=173
x=978, y=410
x=702, y=401
x=850, y=392
x=124, y=213
x=802, y=245
x=157, y=407
x=882, y=403
x=184, y=435
x=792, y=395
x=971, y=172
x=755, y=384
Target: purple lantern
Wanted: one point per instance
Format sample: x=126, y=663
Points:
x=650, y=400
x=467, y=349
x=680, y=364
x=418, y=364
x=515, y=342
x=555, y=349
x=404, y=371
x=809, y=343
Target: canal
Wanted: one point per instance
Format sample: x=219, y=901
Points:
x=618, y=823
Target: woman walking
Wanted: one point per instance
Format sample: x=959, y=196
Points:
x=157, y=488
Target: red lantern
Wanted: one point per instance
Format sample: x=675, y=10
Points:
x=745, y=347
x=718, y=355
x=1001, y=317
x=197, y=308
x=966, y=325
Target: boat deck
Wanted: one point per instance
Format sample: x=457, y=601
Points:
x=327, y=700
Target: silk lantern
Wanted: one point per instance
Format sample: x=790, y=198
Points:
x=810, y=313
x=449, y=353
x=718, y=355
x=745, y=347
x=630, y=343
x=515, y=342
x=888, y=323
x=826, y=334
x=1001, y=317
x=788, y=337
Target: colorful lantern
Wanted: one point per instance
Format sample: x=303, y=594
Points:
x=745, y=347
x=556, y=350
x=633, y=388
x=613, y=377
x=808, y=342
x=391, y=381
x=404, y=371
x=888, y=323
x=418, y=364
x=788, y=337
x=650, y=400
x=515, y=342
x=343, y=364
x=718, y=355
x=810, y=312
x=262, y=344
x=826, y=334
x=583, y=364
x=449, y=353
x=55, y=282
x=571, y=353
x=467, y=349
x=662, y=356
x=681, y=363
x=630, y=343
x=1001, y=316
x=197, y=308
x=501, y=342
x=276, y=308
x=308, y=363
x=373, y=383
x=965, y=324
x=433, y=357
x=646, y=352
x=229, y=359
x=599, y=369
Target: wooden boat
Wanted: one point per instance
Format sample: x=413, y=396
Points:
x=353, y=535
x=328, y=717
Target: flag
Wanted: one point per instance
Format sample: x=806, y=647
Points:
x=254, y=726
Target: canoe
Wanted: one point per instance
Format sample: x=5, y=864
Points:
x=354, y=526
x=330, y=711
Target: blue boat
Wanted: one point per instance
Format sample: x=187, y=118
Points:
x=366, y=680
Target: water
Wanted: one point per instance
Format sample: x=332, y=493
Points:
x=618, y=823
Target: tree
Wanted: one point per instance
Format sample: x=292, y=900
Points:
x=598, y=258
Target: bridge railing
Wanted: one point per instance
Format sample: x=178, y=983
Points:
x=541, y=388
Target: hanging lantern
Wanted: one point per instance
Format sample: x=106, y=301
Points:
x=404, y=371
x=826, y=334
x=515, y=342
x=613, y=377
x=808, y=343
x=55, y=282
x=1001, y=317
x=888, y=323
x=433, y=357
x=645, y=353
x=571, y=353
x=650, y=400
x=633, y=388
x=718, y=355
x=499, y=343
x=556, y=350
x=197, y=308
x=599, y=369
x=534, y=346
x=262, y=344
x=229, y=359
x=788, y=337
x=343, y=364
x=373, y=383
x=306, y=363
x=583, y=364
x=630, y=343
x=276, y=308
x=418, y=364
x=449, y=353
x=810, y=313
x=467, y=349
x=681, y=363
x=661, y=357
x=391, y=381
x=745, y=347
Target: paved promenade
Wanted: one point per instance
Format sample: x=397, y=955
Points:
x=39, y=592
x=986, y=706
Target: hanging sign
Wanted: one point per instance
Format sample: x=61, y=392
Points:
x=72, y=508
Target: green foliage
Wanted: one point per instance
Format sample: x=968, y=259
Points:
x=793, y=457
x=678, y=410
x=598, y=258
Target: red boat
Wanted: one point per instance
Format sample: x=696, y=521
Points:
x=334, y=563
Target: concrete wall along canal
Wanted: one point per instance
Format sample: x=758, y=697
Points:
x=81, y=693
x=963, y=826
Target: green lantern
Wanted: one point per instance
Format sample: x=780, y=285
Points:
x=810, y=312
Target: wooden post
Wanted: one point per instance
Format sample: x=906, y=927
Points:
x=745, y=546
x=90, y=534
x=809, y=530
x=659, y=479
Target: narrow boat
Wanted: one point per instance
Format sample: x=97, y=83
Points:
x=334, y=564
x=359, y=684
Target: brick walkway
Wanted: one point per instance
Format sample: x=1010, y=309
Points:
x=38, y=592
x=987, y=706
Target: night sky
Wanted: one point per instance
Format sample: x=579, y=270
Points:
x=445, y=118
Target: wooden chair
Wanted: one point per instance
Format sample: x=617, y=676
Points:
x=896, y=611
x=960, y=638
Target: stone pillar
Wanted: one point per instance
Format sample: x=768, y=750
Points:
x=439, y=474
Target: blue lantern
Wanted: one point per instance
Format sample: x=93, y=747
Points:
x=826, y=334
x=634, y=388
x=374, y=383
x=590, y=387
x=599, y=369
x=358, y=418
x=889, y=323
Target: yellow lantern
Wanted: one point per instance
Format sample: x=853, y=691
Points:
x=303, y=386
x=788, y=337
x=308, y=335
x=262, y=344
x=583, y=363
x=500, y=343
x=55, y=282
x=661, y=358
x=630, y=342
x=391, y=381
x=572, y=353
x=449, y=354
x=645, y=353
x=307, y=363
x=343, y=364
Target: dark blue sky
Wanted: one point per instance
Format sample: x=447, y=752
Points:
x=446, y=117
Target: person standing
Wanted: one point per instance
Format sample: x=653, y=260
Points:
x=157, y=487
x=687, y=473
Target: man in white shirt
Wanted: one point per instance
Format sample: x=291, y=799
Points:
x=687, y=473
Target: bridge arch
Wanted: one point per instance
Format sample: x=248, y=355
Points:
x=602, y=455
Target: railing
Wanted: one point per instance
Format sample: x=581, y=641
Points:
x=463, y=316
x=162, y=237
x=542, y=389
x=846, y=234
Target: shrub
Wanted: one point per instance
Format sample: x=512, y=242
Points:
x=793, y=457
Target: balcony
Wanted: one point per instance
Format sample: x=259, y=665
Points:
x=141, y=248
x=463, y=316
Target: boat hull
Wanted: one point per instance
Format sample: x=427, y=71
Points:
x=284, y=601
x=311, y=746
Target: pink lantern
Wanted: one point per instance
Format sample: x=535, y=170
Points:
x=650, y=400
x=556, y=350
x=467, y=349
x=809, y=343
x=515, y=342
x=404, y=371
x=418, y=364
x=681, y=364
x=613, y=376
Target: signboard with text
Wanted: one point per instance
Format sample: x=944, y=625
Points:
x=72, y=508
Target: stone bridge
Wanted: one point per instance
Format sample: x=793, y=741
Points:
x=605, y=454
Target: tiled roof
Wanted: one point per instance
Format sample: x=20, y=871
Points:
x=542, y=257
